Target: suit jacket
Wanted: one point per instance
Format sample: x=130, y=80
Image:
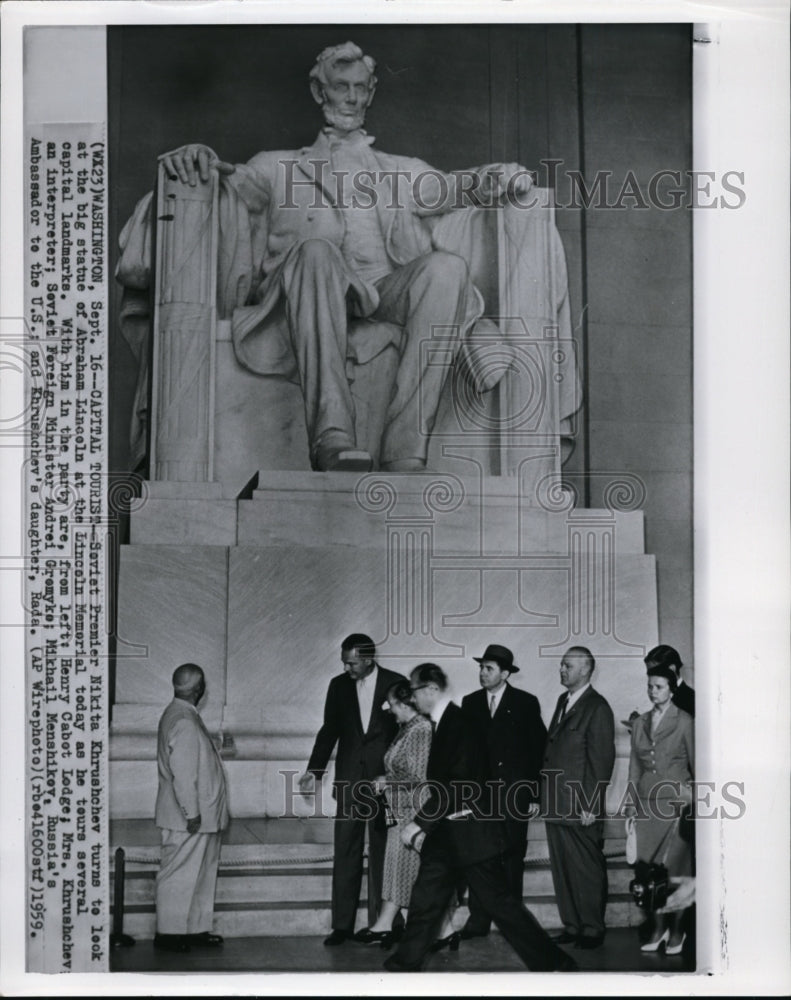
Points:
x=512, y=742
x=665, y=755
x=684, y=698
x=455, y=764
x=360, y=754
x=582, y=748
x=191, y=775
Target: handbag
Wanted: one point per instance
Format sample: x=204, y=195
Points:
x=650, y=886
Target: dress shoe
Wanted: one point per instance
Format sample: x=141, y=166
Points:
x=467, y=933
x=171, y=942
x=564, y=937
x=206, y=940
x=337, y=937
x=451, y=942
x=588, y=941
x=675, y=949
x=367, y=936
x=655, y=945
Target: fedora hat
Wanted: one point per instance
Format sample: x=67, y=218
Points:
x=501, y=655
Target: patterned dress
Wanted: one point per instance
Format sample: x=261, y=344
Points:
x=405, y=763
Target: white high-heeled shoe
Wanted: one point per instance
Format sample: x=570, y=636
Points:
x=654, y=945
x=676, y=948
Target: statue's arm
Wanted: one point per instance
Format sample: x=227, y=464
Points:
x=437, y=193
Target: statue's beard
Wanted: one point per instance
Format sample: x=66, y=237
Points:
x=343, y=121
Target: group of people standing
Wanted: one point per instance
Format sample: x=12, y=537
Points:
x=444, y=794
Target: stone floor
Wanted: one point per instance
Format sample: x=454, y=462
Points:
x=620, y=953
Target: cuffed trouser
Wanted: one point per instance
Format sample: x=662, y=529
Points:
x=432, y=891
x=432, y=298
x=347, y=870
x=579, y=875
x=186, y=882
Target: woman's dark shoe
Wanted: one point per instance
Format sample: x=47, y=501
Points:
x=451, y=942
x=367, y=936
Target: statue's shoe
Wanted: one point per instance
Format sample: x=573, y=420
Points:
x=332, y=458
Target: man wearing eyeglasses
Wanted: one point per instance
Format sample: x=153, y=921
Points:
x=456, y=840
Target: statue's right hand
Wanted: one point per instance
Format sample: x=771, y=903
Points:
x=188, y=163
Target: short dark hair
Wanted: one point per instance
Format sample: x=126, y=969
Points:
x=430, y=673
x=585, y=653
x=401, y=692
x=364, y=645
x=663, y=656
x=663, y=670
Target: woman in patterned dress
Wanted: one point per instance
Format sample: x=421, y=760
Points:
x=405, y=770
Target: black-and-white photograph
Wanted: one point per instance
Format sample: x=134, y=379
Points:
x=404, y=342
x=364, y=612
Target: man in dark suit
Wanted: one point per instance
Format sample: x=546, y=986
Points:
x=457, y=841
x=578, y=764
x=666, y=656
x=355, y=720
x=507, y=725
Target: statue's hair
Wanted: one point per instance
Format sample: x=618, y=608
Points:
x=186, y=678
x=336, y=55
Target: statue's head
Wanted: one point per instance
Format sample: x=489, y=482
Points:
x=343, y=83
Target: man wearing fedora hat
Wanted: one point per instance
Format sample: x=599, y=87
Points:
x=506, y=723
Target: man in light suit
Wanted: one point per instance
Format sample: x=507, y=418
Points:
x=578, y=765
x=338, y=229
x=355, y=720
x=507, y=727
x=191, y=812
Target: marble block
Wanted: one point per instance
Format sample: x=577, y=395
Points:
x=172, y=605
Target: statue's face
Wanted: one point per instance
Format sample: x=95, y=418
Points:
x=347, y=95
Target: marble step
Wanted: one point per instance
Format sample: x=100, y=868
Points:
x=310, y=920
x=312, y=884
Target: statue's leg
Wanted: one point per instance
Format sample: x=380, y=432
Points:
x=434, y=300
x=314, y=285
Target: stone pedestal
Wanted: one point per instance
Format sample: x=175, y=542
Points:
x=434, y=566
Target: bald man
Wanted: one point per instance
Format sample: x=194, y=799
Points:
x=191, y=814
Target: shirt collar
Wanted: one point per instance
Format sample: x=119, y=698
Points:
x=573, y=698
x=357, y=137
x=371, y=676
x=497, y=695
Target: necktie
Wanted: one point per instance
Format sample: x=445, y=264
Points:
x=492, y=705
x=562, y=713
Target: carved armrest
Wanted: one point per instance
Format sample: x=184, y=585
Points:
x=184, y=330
